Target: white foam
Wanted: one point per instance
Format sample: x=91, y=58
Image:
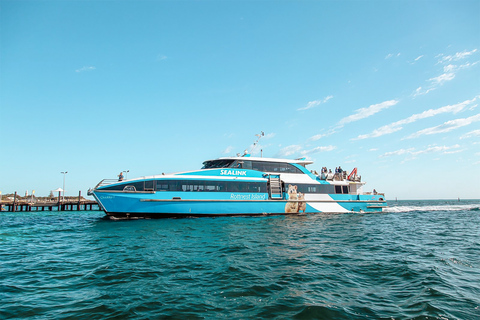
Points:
x=446, y=207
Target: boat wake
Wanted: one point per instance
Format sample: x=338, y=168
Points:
x=446, y=207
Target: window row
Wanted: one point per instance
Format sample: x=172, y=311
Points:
x=192, y=185
x=322, y=189
x=263, y=166
x=221, y=186
x=316, y=188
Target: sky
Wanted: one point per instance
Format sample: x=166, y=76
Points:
x=94, y=88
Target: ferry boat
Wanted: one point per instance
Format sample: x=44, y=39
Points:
x=236, y=186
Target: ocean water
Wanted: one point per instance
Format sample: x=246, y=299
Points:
x=418, y=260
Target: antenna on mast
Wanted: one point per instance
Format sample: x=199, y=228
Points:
x=259, y=136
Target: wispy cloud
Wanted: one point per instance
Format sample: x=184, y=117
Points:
x=367, y=112
x=228, y=150
x=161, y=57
x=471, y=134
x=421, y=91
x=398, y=152
x=317, y=149
x=455, y=57
x=430, y=149
x=289, y=150
x=86, y=68
x=315, y=103
x=446, y=126
x=398, y=125
x=441, y=79
x=418, y=58
x=322, y=135
x=449, y=71
x=391, y=55
x=390, y=128
x=269, y=135
x=298, y=149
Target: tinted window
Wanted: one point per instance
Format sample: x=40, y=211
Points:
x=316, y=188
x=277, y=167
x=212, y=164
x=149, y=185
x=243, y=164
x=210, y=186
x=139, y=186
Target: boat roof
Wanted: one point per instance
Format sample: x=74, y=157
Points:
x=301, y=161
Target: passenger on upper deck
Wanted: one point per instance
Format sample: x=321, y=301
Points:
x=120, y=176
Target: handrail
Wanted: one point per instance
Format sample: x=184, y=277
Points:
x=105, y=182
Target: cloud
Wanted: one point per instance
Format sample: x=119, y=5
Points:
x=449, y=68
x=443, y=149
x=295, y=149
x=317, y=149
x=441, y=79
x=269, y=135
x=228, y=150
x=449, y=71
x=391, y=55
x=471, y=134
x=420, y=91
x=313, y=104
x=398, y=152
x=452, y=68
x=83, y=69
x=430, y=149
x=322, y=135
x=289, y=150
x=418, y=58
x=446, y=127
x=367, y=112
x=455, y=57
x=398, y=125
x=161, y=57
x=391, y=128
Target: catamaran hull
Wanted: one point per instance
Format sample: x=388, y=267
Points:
x=151, y=205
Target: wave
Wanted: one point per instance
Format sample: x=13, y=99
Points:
x=429, y=208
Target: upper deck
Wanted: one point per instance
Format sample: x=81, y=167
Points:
x=270, y=165
x=243, y=168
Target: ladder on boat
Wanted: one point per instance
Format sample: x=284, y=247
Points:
x=275, y=187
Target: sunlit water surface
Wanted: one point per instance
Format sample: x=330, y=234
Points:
x=420, y=259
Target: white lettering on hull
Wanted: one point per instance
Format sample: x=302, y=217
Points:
x=233, y=172
x=247, y=196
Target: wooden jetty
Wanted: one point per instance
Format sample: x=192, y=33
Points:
x=18, y=204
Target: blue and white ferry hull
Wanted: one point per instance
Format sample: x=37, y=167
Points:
x=244, y=191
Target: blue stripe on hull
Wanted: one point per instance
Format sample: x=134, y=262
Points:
x=201, y=204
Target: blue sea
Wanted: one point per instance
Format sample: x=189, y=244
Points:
x=417, y=260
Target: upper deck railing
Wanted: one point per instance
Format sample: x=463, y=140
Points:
x=105, y=182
